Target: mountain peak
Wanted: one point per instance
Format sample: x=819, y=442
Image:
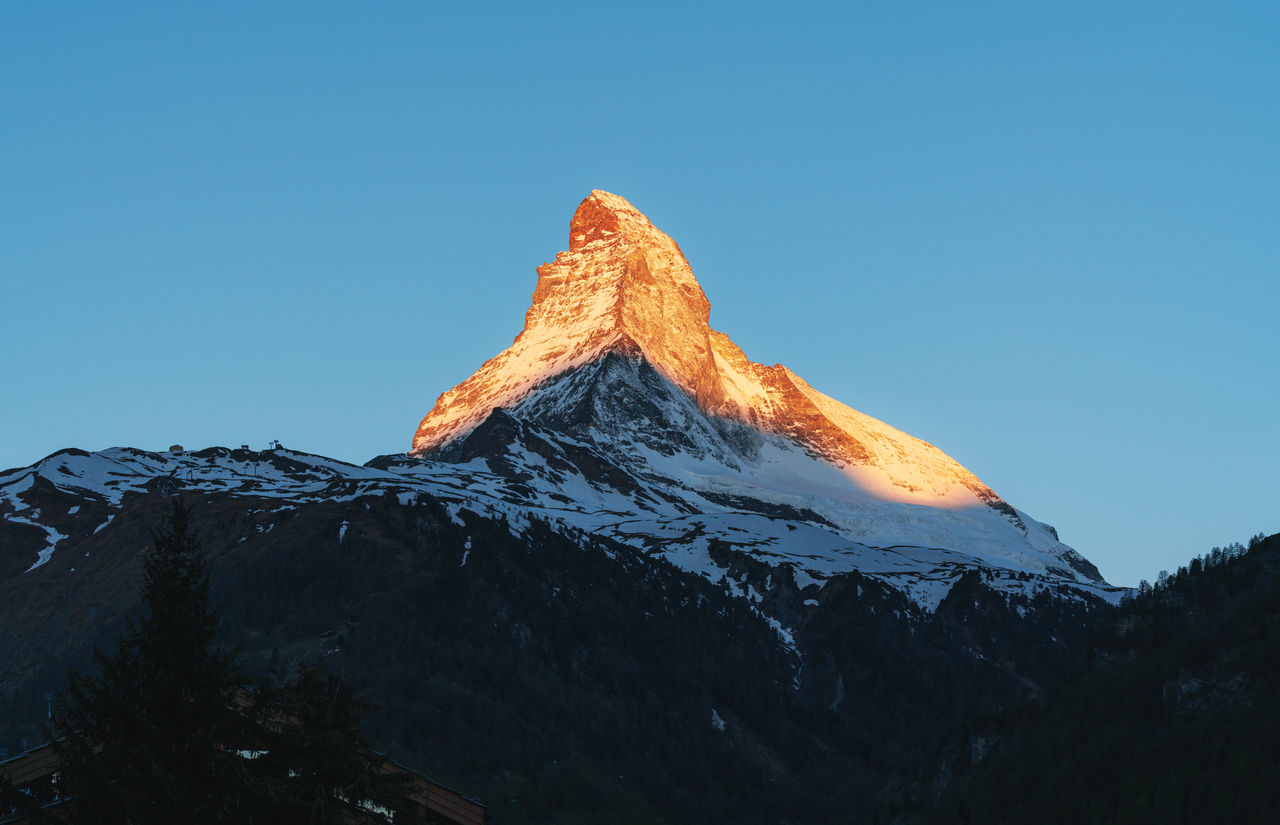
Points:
x=624, y=287
x=605, y=216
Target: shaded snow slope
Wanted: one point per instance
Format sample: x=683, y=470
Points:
x=769, y=499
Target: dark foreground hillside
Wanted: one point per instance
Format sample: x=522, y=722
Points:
x=1175, y=720
x=567, y=680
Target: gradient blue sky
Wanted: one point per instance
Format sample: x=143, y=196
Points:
x=1045, y=240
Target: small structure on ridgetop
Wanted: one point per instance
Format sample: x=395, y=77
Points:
x=176, y=448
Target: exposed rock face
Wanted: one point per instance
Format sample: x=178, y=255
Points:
x=625, y=287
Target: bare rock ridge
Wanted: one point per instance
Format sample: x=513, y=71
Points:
x=624, y=286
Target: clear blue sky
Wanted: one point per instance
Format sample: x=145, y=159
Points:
x=1047, y=241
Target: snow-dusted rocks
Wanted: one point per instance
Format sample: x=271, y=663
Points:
x=620, y=404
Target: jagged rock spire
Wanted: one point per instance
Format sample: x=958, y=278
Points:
x=624, y=286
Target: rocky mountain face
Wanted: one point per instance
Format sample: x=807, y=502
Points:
x=693, y=442
x=625, y=288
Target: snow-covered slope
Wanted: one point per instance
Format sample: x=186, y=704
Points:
x=682, y=508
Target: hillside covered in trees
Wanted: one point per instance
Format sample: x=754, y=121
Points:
x=1174, y=719
x=566, y=679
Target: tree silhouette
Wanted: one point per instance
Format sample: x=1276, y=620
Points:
x=140, y=742
x=158, y=736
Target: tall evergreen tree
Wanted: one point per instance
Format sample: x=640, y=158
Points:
x=153, y=738
x=140, y=742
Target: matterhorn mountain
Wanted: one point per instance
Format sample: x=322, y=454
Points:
x=619, y=410
x=619, y=413
x=623, y=573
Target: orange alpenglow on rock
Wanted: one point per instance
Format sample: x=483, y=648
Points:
x=625, y=287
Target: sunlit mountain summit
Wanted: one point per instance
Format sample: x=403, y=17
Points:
x=619, y=410
x=617, y=414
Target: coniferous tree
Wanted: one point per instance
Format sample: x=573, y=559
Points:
x=141, y=742
x=157, y=737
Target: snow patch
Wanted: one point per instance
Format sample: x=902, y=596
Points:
x=52, y=537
